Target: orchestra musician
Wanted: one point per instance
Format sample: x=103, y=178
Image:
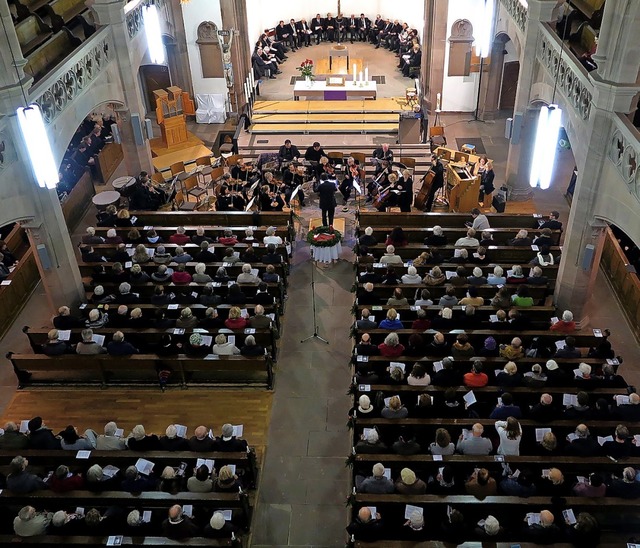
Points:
x=144, y=195
x=270, y=200
x=224, y=201
x=405, y=186
x=292, y=178
x=350, y=175
x=383, y=152
x=391, y=191
x=379, y=181
x=288, y=152
x=245, y=172
x=438, y=181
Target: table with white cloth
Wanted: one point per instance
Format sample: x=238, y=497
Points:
x=326, y=254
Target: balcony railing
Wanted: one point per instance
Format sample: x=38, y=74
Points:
x=68, y=80
x=518, y=11
x=135, y=21
x=573, y=79
x=624, y=152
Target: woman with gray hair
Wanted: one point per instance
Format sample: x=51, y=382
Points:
x=412, y=276
x=247, y=277
x=391, y=346
x=250, y=348
x=139, y=440
x=437, y=238
x=200, y=276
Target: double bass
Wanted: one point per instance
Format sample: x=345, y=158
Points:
x=421, y=198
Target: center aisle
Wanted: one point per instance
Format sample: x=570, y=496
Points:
x=304, y=479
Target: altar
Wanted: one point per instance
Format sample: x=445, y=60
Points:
x=319, y=90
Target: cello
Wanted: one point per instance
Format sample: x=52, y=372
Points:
x=421, y=199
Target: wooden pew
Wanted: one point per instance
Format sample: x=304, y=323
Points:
x=487, y=292
x=512, y=221
x=210, y=230
x=87, y=541
x=140, y=369
x=25, y=8
x=32, y=32
x=495, y=254
x=149, y=337
x=62, y=12
x=417, y=234
x=51, y=53
x=585, y=40
x=50, y=459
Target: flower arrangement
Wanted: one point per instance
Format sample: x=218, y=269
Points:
x=306, y=69
x=323, y=236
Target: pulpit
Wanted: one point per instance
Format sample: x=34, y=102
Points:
x=172, y=106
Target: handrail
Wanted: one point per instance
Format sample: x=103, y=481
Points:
x=624, y=150
x=518, y=11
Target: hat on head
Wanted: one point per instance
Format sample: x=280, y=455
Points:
x=195, y=339
x=227, y=430
x=364, y=404
x=217, y=521
x=408, y=476
x=490, y=343
x=35, y=424
x=552, y=365
x=491, y=526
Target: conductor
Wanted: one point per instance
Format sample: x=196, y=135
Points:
x=327, y=191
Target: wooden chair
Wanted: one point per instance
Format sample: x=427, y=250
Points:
x=157, y=177
x=176, y=168
x=183, y=205
x=437, y=137
x=409, y=162
x=411, y=96
x=359, y=157
x=336, y=157
x=192, y=188
x=233, y=160
x=203, y=161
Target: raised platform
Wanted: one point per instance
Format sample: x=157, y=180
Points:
x=164, y=156
x=339, y=66
x=307, y=117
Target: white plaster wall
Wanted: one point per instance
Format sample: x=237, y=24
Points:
x=459, y=93
x=194, y=13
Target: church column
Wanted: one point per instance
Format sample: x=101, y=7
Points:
x=137, y=158
x=489, y=107
x=612, y=93
x=435, y=42
x=44, y=221
x=234, y=16
x=519, y=157
x=177, y=50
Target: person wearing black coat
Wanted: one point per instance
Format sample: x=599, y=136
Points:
x=327, y=191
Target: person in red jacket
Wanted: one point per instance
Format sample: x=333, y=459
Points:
x=62, y=481
x=228, y=238
x=391, y=346
x=235, y=319
x=566, y=324
x=179, y=238
x=180, y=275
x=476, y=378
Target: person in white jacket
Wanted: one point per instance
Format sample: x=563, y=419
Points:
x=510, y=434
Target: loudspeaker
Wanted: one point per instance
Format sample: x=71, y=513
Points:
x=508, y=128
x=148, y=128
x=43, y=254
x=513, y=128
x=498, y=203
x=136, y=127
x=115, y=131
x=587, y=258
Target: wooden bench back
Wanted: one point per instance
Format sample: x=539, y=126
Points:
x=30, y=31
x=512, y=221
x=51, y=53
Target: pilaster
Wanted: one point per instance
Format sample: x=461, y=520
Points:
x=111, y=12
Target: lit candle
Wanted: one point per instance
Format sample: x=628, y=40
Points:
x=361, y=76
x=252, y=82
x=354, y=72
x=438, y=96
x=246, y=92
x=366, y=74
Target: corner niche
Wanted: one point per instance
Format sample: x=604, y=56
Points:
x=210, y=54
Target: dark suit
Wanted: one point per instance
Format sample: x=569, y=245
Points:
x=327, y=191
x=317, y=25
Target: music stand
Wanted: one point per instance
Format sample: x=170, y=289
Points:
x=250, y=204
x=314, y=335
x=358, y=190
x=294, y=194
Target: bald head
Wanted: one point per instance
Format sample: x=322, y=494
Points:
x=546, y=399
x=546, y=518
x=175, y=513
x=364, y=515
x=200, y=432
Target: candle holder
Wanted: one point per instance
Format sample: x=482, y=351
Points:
x=361, y=84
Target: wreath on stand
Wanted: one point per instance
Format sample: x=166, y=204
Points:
x=324, y=236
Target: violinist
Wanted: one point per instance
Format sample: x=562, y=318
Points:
x=380, y=154
x=224, y=200
x=238, y=198
x=270, y=200
x=350, y=175
x=292, y=178
x=379, y=181
x=246, y=173
x=405, y=186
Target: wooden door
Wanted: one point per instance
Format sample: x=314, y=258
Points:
x=510, y=74
x=154, y=77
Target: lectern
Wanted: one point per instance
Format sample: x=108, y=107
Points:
x=409, y=128
x=172, y=106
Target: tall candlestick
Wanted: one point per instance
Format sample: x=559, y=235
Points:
x=354, y=72
x=366, y=74
x=438, y=97
x=252, y=82
x=361, y=76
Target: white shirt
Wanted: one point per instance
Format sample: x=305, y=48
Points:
x=507, y=446
x=277, y=240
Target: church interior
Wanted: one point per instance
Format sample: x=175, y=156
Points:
x=344, y=273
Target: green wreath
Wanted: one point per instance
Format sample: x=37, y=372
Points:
x=324, y=236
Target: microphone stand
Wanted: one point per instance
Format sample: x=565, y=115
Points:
x=314, y=335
